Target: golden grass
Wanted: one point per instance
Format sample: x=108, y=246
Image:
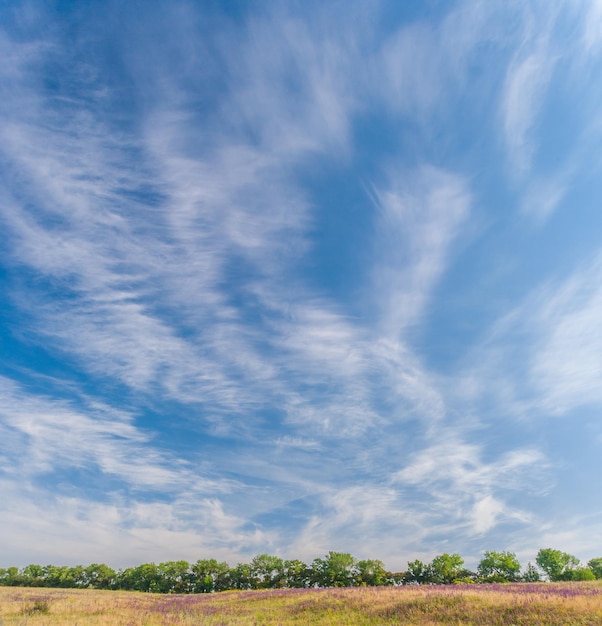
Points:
x=543, y=604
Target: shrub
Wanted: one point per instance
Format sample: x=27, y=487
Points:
x=41, y=607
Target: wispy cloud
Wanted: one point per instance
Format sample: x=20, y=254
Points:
x=48, y=434
x=153, y=498
x=567, y=362
x=554, y=337
x=526, y=81
x=465, y=489
x=592, y=34
x=543, y=197
x=163, y=217
x=419, y=220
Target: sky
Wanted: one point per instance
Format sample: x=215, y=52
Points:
x=291, y=277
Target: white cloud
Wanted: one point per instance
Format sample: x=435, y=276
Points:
x=543, y=357
x=524, y=89
x=294, y=86
x=566, y=364
x=119, y=533
x=592, y=33
x=485, y=513
x=465, y=490
x=543, y=197
x=360, y=519
x=420, y=216
x=46, y=434
x=176, y=250
x=156, y=505
x=420, y=65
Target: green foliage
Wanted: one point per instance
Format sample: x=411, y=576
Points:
x=208, y=575
x=173, y=577
x=298, y=574
x=337, y=569
x=35, y=576
x=556, y=564
x=372, y=573
x=240, y=577
x=418, y=573
x=581, y=573
x=446, y=568
x=267, y=572
x=499, y=567
x=13, y=577
x=596, y=566
x=531, y=574
x=99, y=576
x=140, y=578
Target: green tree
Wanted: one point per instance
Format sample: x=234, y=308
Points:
x=580, y=573
x=239, y=577
x=446, y=568
x=596, y=566
x=146, y=577
x=13, y=577
x=297, y=574
x=499, y=567
x=62, y=576
x=53, y=575
x=99, y=576
x=337, y=569
x=531, y=574
x=556, y=564
x=173, y=577
x=34, y=576
x=76, y=577
x=208, y=575
x=267, y=572
x=371, y=573
x=418, y=573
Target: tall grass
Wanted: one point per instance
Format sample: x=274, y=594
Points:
x=549, y=604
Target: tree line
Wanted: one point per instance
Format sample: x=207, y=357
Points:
x=336, y=569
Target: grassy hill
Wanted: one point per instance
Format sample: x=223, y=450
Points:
x=549, y=604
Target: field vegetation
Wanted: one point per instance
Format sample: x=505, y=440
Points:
x=519, y=604
x=335, y=589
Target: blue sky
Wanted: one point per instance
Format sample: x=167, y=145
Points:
x=298, y=277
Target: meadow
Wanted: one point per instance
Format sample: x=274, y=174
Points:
x=544, y=604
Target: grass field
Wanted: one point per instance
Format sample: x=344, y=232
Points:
x=544, y=604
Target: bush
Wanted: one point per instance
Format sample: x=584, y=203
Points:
x=39, y=607
x=582, y=573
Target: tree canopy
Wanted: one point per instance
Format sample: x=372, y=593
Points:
x=335, y=569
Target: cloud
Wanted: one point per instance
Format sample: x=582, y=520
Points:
x=542, y=357
x=161, y=251
x=47, y=434
x=567, y=363
x=169, y=264
x=293, y=86
x=464, y=487
x=365, y=519
x=543, y=197
x=526, y=81
x=119, y=533
x=592, y=33
x=485, y=514
x=423, y=64
x=145, y=498
x=420, y=215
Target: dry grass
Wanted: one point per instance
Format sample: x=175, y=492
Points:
x=519, y=605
